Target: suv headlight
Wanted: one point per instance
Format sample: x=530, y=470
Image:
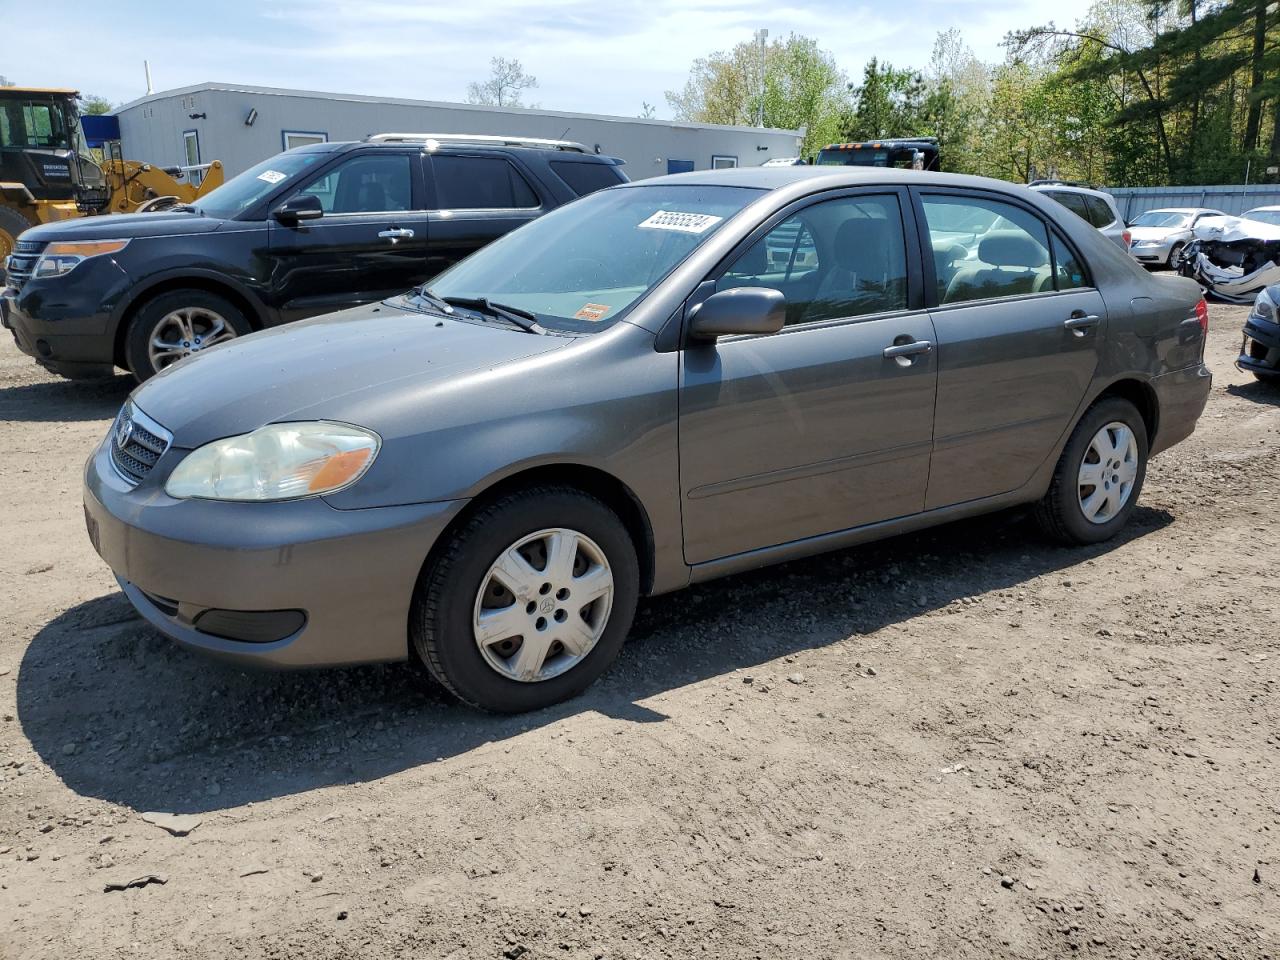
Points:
x=59, y=258
x=281, y=461
x=1264, y=307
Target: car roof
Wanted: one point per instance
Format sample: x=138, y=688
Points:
x=826, y=177
x=1260, y=209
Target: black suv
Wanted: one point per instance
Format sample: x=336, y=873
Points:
x=315, y=229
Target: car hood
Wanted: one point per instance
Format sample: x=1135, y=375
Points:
x=117, y=226
x=345, y=366
x=1154, y=233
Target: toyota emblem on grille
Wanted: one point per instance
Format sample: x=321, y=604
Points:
x=124, y=432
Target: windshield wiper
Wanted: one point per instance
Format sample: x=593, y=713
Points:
x=425, y=293
x=521, y=318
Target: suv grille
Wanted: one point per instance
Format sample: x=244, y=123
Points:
x=23, y=261
x=137, y=442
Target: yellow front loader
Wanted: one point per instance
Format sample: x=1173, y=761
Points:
x=47, y=172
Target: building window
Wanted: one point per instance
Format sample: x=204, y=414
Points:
x=723, y=162
x=300, y=138
x=191, y=156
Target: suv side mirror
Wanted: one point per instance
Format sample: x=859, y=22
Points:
x=303, y=206
x=742, y=310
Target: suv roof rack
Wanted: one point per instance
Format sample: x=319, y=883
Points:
x=1064, y=183
x=479, y=139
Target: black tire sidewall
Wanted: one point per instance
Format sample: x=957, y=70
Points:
x=1175, y=256
x=444, y=638
x=1080, y=528
x=13, y=223
x=154, y=310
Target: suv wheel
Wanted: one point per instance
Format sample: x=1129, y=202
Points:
x=529, y=602
x=178, y=324
x=1098, y=478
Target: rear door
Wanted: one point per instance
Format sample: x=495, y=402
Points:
x=813, y=429
x=475, y=199
x=371, y=242
x=1019, y=326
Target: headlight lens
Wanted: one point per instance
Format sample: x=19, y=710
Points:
x=1264, y=308
x=60, y=258
x=1147, y=243
x=281, y=461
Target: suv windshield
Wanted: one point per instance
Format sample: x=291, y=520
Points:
x=242, y=192
x=583, y=266
x=1160, y=218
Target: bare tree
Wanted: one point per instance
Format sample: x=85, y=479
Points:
x=506, y=80
x=647, y=110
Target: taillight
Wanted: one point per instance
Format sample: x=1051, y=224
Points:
x=1128, y=238
x=1202, y=314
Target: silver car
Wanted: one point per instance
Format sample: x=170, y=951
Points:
x=1159, y=236
x=632, y=394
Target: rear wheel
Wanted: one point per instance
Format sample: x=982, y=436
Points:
x=529, y=602
x=1099, y=476
x=12, y=223
x=179, y=324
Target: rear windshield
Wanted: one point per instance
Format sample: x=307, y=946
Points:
x=584, y=178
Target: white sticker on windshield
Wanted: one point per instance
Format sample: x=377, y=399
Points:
x=680, y=222
x=272, y=176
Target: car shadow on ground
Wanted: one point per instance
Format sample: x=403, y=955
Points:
x=1257, y=391
x=122, y=714
x=60, y=401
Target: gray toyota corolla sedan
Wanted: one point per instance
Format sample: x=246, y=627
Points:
x=658, y=384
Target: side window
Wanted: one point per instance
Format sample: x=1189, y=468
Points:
x=1069, y=273
x=992, y=249
x=1099, y=212
x=367, y=184
x=1073, y=202
x=836, y=259
x=583, y=178
x=480, y=183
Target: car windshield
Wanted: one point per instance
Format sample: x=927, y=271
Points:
x=1161, y=218
x=583, y=266
x=244, y=191
x=1266, y=216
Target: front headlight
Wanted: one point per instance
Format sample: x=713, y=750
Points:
x=59, y=258
x=1264, y=307
x=281, y=461
x=1147, y=243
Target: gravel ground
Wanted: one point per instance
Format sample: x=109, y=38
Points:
x=962, y=743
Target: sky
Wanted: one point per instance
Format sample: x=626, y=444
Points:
x=593, y=56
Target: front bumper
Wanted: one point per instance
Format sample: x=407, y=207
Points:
x=1156, y=254
x=1260, y=352
x=349, y=573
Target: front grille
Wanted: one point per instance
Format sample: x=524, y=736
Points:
x=22, y=262
x=137, y=442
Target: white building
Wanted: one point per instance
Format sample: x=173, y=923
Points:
x=242, y=125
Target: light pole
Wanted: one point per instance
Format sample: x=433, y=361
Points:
x=761, y=36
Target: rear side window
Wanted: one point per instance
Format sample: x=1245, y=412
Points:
x=1099, y=212
x=480, y=183
x=584, y=178
x=1073, y=202
x=986, y=249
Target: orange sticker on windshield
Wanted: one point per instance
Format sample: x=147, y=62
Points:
x=592, y=312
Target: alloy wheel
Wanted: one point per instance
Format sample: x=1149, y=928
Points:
x=543, y=605
x=184, y=332
x=1107, y=472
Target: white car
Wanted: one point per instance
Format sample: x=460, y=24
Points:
x=1158, y=237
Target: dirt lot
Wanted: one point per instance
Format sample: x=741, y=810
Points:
x=963, y=743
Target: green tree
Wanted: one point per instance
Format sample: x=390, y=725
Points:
x=800, y=86
x=890, y=103
x=93, y=106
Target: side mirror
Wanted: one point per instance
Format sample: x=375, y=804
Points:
x=303, y=206
x=742, y=310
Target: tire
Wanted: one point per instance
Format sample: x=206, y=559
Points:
x=12, y=223
x=1061, y=513
x=205, y=312
x=456, y=589
x=1270, y=379
x=1175, y=257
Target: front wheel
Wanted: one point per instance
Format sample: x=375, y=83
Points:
x=1098, y=478
x=179, y=324
x=529, y=601
x=1175, y=257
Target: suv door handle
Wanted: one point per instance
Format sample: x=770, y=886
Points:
x=398, y=233
x=1080, y=323
x=907, y=349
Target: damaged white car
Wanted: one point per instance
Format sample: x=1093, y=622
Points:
x=1235, y=257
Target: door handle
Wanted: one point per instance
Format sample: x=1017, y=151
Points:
x=907, y=349
x=398, y=233
x=1080, y=323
